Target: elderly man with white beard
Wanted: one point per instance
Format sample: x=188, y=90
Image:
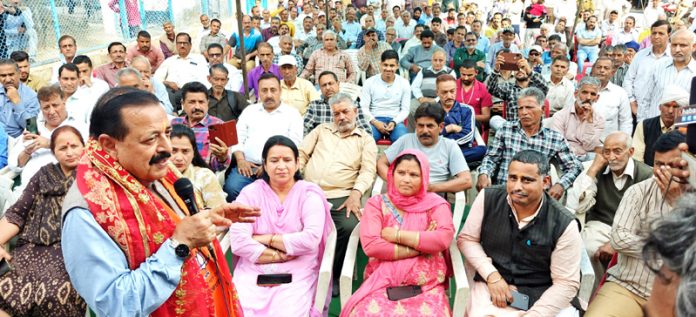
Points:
x=341, y=158
x=613, y=171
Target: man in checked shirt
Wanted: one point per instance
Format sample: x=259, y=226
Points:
x=527, y=133
x=319, y=111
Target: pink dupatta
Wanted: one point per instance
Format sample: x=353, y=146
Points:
x=417, y=210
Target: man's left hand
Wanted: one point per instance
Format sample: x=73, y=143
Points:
x=390, y=126
x=556, y=191
x=352, y=204
x=226, y=214
x=219, y=150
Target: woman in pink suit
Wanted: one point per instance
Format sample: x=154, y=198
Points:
x=405, y=233
x=288, y=237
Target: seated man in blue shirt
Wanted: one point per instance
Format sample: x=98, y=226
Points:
x=386, y=99
x=18, y=102
x=460, y=120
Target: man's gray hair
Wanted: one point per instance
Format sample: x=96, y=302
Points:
x=589, y=81
x=691, y=35
x=328, y=32
x=622, y=135
x=141, y=59
x=561, y=46
x=342, y=97
x=127, y=71
x=533, y=92
x=533, y=157
x=285, y=37
x=672, y=242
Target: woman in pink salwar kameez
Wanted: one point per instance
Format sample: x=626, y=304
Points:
x=405, y=233
x=288, y=237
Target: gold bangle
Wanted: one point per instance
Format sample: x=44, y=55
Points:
x=270, y=242
x=496, y=281
x=398, y=236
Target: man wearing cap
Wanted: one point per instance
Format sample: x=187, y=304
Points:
x=369, y=28
x=294, y=91
x=507, y=36
x=674, y=98
x=534, y=58
x=369, y=55
x=632, y=48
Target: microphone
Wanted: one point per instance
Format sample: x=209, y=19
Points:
x=184, y=188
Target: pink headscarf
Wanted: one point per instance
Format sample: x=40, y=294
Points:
x=422, y=201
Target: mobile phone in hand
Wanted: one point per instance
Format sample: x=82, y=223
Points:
x=32, y=126
x=519, y=300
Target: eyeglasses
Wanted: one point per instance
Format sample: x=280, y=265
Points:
x=183, y=43
x=471, y=40
x=215, y=55
x=534, y=54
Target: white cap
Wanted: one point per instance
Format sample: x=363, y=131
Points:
x=675, y=93
x=536, y=48
x=287, y=60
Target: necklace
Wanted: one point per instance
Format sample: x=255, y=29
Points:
x=471, y=95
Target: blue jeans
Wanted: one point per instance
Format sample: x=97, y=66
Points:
x=474, y=153
x=589, y=53
x=234, y=184
x=399, y=130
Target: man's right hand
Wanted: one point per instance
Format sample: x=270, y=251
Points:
x=482, y=182
x=634, y=107
x=196, y=231
x=499, y=290
x=12, y=94
x=598, y=165
x=500, y=60
x=245, y=168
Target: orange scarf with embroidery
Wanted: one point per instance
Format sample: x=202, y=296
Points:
x=140, y=222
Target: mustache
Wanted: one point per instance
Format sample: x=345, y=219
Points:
x=520, y=193
x=425, y=135
x=196, y=110
x=159, y=157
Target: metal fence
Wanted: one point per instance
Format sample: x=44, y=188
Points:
x=95, y=23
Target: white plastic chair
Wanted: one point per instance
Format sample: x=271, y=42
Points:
x=353, y=53
x=587, y=278
x=350, y=89
x=461, y=290
x=472, y=192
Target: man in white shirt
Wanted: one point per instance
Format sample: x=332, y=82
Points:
x=79, y=103
x=642, y=65
x=257, y=123
x=68, y=49
x=653, y=12
x=386, y=99
x=178, y=70
x=88, y=84
x=561, y=89
x=613, y=102
x=627, y=33
x=33, y=151
x=404, y=26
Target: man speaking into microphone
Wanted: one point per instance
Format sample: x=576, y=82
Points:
x=130, y=245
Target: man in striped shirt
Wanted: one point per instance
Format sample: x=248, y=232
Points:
x=677, y=70
x=629, y=282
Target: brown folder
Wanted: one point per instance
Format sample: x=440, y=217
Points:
x=227, y=132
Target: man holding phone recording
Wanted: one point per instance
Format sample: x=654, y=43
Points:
x=536, y=269
x=524, y=77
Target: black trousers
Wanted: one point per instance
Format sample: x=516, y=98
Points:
x=344, y=227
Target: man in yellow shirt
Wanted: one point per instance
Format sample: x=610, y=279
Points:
x=294, y=91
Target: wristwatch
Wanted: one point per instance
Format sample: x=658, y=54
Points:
x=181, y=250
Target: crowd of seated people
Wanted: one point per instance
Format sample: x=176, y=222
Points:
x=564, y=134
